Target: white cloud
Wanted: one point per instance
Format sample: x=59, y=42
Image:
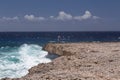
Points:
x=33, y=18
x=10, y=18
x=64, y=16
x=96, y=17
x=86, y=16
x=52, y=17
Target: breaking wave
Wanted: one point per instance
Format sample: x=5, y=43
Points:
x=16, y=61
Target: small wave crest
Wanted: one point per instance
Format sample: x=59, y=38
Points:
x=15, y=62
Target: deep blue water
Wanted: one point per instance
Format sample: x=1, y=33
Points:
x=19, y=38
x=19, y=51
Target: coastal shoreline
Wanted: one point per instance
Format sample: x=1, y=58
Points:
x=79, y=61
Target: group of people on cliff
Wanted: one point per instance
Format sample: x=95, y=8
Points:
x=62, y=38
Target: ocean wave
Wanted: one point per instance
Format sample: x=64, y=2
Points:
x=16, y=61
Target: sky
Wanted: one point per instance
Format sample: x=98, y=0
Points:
x=59, y=15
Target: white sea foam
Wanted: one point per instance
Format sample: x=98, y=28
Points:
x=15, y=63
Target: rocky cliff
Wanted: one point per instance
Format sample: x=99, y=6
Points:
x=79, y=61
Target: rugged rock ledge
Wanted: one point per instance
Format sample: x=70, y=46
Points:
x=79, y=61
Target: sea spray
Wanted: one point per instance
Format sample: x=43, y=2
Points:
x=16, y=61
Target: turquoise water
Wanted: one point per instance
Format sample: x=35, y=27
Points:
x=15, y=61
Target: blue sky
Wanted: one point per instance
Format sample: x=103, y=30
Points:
x=59, y=15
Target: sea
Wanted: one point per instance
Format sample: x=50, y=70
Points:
x=19, y=51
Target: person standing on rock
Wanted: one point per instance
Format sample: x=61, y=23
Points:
x=59, y=38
